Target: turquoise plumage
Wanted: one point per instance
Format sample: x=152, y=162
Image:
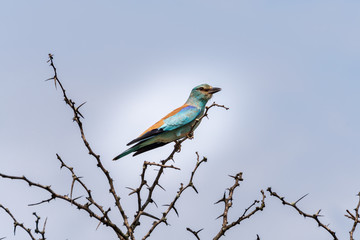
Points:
x=175, y=125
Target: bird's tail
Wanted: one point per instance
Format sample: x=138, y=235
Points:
x=126, y=152
x=141, y=147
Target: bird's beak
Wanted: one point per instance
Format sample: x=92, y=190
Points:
x=214, y=90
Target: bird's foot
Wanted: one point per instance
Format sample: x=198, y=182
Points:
x=190, y=135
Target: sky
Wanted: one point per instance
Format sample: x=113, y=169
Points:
x=289, y=72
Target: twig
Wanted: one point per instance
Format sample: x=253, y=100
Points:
x=195, y=233
x=161, y=165
x=355, y=218
x=182, y=188
x=17, y=224
x=86, y=207
x=228, y=204
x=306, y=215
x=37, y=230
x=78, y=179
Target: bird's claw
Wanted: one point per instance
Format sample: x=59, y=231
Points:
x=190, y=135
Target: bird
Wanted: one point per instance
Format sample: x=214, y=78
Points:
x=175, y=125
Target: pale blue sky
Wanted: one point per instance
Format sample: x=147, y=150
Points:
x=289, y=71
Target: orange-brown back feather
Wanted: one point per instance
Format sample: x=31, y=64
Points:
x=161, y=122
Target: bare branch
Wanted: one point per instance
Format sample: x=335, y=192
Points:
x=306, y=215
x=86, y=207
x=94, y=208
x=195, y=233
x=41, y=202
x=161, y=165
x=355, y=218
x=77, y=118
x=78, y=179
x=171, y=206
x=37, y=230
x=228, y=204
x=17, y=224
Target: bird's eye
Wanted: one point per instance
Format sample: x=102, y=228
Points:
x=201, y=88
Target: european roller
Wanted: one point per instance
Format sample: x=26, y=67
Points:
x=175, y=125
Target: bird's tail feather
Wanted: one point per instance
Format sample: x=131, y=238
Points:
x=123, y=154
x=139, y=148
x=149, y=147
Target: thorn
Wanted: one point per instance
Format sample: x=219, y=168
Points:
x=294, y=203
x=77, y=198
x=219, y=216
x=132, y=189
x=151, y=216
x=237, y=177
x=199, y=230
x=77, y=109
x=318, y=214
x=175, y=210
x=194, y=189
x=222, y=199
x=98, y=226
x=161, y=187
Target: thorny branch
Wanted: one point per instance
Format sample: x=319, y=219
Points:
x=99, y=213
x=314, y=216
x=195, y=233
x=355, y=217
x=86, y=207
x=17, y=224
x=160, y=165
x=228, y=202
x=37, y=230
x=77, y=118
x=171, y=206
x=103, y=216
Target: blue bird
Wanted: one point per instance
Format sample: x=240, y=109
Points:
x=175, y=125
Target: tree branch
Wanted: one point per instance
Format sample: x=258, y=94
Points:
x=94, y=208
x=17, y=224
x=182, y=188
x=228, y=201
x=306, y=215
x=77, y=118
x=355, y=218
x=195, y=233
x=86, y=207
x=37, y=230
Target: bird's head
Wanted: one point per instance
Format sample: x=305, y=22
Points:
x=203, y=92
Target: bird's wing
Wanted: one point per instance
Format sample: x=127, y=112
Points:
x=177, y=118
x=186, y=115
